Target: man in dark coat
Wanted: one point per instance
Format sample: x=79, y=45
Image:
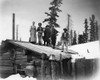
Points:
x=46, y=36
x=53, y=36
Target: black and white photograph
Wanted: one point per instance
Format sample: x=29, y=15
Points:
x=49, y=39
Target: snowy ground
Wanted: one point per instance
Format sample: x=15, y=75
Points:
x=18, y=77
x=88, y=50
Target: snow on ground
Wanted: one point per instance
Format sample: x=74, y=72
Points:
x=88, y=50
x=18, y=77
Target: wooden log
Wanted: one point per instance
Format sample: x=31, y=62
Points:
x=80, y=68
x=24, y=61
x=5, y=68
x=5, y=71
x=61, y=65
x=21, y=57
x=20, y=53
x=13, y=57
x=5, y=63
x=52, y=58
x=13, y=27
x=4, y=58
x=69, y=68
x=43, y=66
x=73, y=69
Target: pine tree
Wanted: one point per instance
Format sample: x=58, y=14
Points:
x=92, y=28
x=84, y=37
x=71, y=36
x=96, y=34
x=81, y=38
x=86, y=31
x=52, y=16
x=74, y=39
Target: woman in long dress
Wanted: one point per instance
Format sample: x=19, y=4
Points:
x=33, y=33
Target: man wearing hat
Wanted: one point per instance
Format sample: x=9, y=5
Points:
x=40, y=32
x=64, y=39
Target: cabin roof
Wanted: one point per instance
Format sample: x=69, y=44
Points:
x=38, y=49
x=88, y=50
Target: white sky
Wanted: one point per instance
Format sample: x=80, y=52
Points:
x=27, y=11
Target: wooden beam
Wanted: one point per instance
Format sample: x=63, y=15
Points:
x=13, y=27
x=53, y=72
x=73, y=69
x=61, y=65
x=43, y=66
x=12, y=58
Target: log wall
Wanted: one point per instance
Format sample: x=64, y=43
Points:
x=6, y=63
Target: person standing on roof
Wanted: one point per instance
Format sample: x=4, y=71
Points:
x=33, y=33
x=64, y=39
x=53, y=36
x=40, y=32
x=46, y=36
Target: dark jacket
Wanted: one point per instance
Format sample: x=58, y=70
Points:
x=64, y=36
x=47, y=32
x=54, y=33
x=39, y=29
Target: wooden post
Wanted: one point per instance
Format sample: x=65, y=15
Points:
x=13, y=57
x=52, y=70
x=17, y=32
x=68, y=67
x=61, y=65
x=13, y=27
x=73, y=69
x=52, y=58
x=68, y=27
x=43, y=66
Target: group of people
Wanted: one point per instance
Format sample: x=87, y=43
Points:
x=48, y=35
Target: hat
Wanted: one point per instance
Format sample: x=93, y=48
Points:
x=33, y=22
x=39, y=23
x=65, y=29
x=47, y=25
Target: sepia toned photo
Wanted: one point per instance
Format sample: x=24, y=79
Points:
x=49, y=39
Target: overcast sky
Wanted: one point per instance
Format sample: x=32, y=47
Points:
x=27, y=11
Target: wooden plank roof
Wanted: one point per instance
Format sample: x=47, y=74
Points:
x=38, y=49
